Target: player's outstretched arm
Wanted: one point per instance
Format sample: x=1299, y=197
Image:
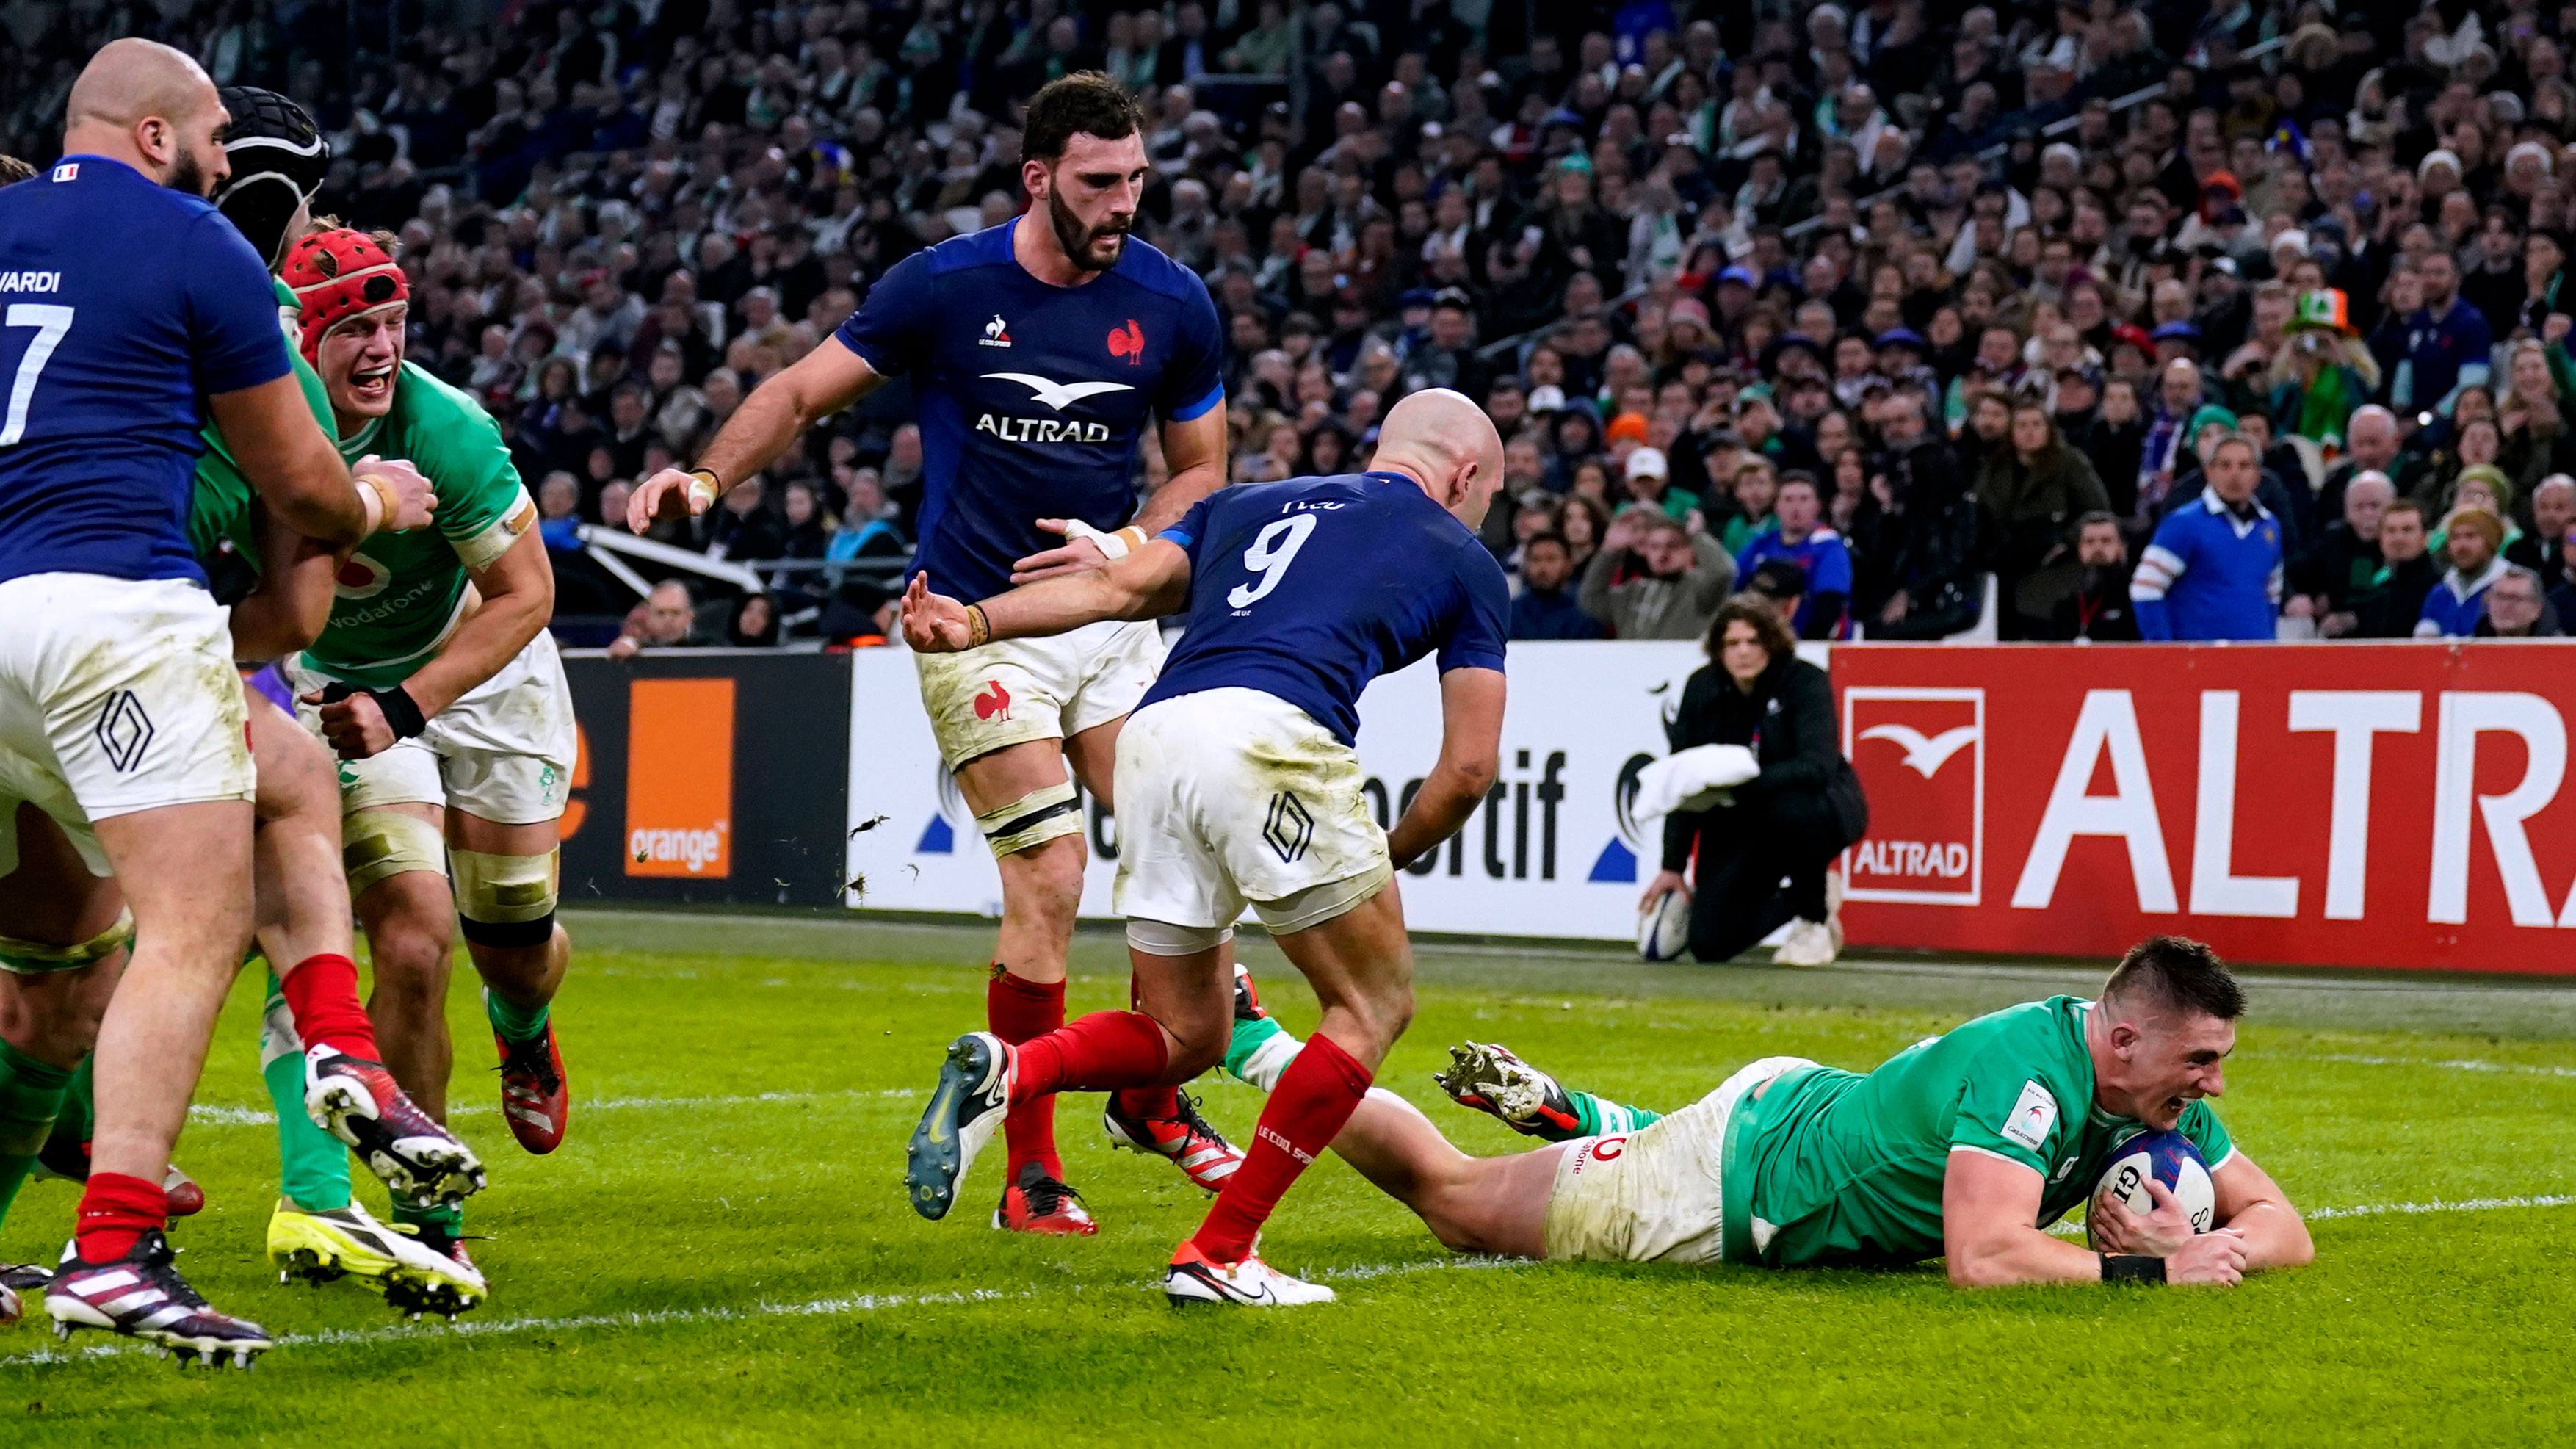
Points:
x=1988, y=1206
x=1146, y=584
x=2249, y=1201
x=1194, y=459
x=299, y=474
x=1471, y=741
x=819, y=384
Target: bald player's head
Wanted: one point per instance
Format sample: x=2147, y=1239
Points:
x=1444, y=440
x=151, y=107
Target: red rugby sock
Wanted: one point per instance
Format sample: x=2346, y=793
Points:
x=322, y=992
x=1020, y=1010
x=114, y=1211
x=1159, y=1104
x=1314, y=1099
x=1102, y=1052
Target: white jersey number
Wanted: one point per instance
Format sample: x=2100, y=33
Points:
x=50, y=324
x=1270, y=556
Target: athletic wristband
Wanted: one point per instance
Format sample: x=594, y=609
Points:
x=401, y=711
x=714, y=485
x=2131, y=1268
x=1112, y=546
x=382, y=492
x=979, y=628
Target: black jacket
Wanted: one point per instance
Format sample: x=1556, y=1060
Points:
x=2389, y=610
x=1788, y=720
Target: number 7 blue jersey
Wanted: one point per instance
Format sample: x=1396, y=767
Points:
x=123, y=305
x=1310, y=588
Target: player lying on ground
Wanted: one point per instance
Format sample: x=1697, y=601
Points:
x=1040, y=347
x=439, y=687
x=140, y=354
x=1964, y=1147
x=1238, y=784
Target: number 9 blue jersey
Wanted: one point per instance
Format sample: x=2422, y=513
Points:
x=123, y=305
x=1310, y=588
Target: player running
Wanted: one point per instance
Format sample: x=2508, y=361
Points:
x=1240, y=786
x=116, y=685
x=1038, y=347
x=1965, y=1146
x=439, y=687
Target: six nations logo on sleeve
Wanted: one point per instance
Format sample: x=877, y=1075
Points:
x=2032, y=1116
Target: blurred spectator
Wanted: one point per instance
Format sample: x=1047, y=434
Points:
x=754, y=624
x=666, y=619
x=2344, y=562
x=2516, y=608
x=2474, y=543
x=1802, y=539
x=2408, y=571
x=1654, y=578
x=2099, y=610
x=1545, y=608
x=2035, y=492
x=2214, y=570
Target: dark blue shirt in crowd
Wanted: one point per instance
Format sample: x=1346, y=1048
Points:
x=2440, y=346
x=1031, y=395
x=1310, y=588
x=1553, y=614
x=123, y=305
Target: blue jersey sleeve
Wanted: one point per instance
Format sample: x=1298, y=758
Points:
x=888, y=332
x=1484, y=618
x=232, y=311
x=1194, y=380
x=1192, y=527
x=1833, y=569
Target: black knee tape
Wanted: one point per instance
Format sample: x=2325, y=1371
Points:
x=509, y=933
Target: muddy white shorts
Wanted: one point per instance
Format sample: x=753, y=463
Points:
x=504, y=752
x=1016, y=690
x=116, y=695
x=1230, y=797
x=1652, y=1195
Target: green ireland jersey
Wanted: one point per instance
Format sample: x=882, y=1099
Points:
x=401, y=594
x=1835, y=1167
x=219, y=509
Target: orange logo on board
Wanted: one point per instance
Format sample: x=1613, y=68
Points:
x=576, y=809
x=679, y=778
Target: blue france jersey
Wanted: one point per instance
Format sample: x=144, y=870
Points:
x=1032, y=396
x=123, y=304
x=1310, y=588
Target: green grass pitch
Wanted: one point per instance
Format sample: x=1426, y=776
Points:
x=721, y=1253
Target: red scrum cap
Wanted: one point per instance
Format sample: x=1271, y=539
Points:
x=337, y=276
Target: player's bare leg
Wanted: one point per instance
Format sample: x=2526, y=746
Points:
x=410, y=922
x=1473, y=1204
x=522, y=965
x=1041, y=867
x=53, y=914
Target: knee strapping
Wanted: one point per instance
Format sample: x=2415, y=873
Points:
x=1162, y=938
x=1033, y=819
x=34, y=958
x=506, y=900
x=381, y=844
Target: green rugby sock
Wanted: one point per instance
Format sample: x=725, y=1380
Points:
x=1260, y=1050
x=313, y=1166
x=79, y=1112
x=449, y=1221
x=1602, y=1117
x=31, y=1096
x=514, y=1023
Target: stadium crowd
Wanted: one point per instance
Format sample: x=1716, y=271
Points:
x=2081, y=320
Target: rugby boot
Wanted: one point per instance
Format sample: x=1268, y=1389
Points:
x=357, y=1101
x=1489, y=1079
x=965, y=1110
x=1193, y=1279
x=1037, y=1203
x=142, y=1296
x=536, y=1100
x=394, y=1261
x=1186, y=1138
x=11, y=1308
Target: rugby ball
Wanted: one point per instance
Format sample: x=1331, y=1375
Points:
x=2170, y=1158
x=1663, y=927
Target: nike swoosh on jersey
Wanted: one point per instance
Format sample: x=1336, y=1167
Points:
x=1059, y=395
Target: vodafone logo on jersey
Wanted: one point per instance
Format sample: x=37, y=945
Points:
x=362, y=578
x=1920, y=754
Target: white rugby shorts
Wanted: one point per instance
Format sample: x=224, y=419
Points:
x=1652, y=1195
x=1016, y=690
x=116, y=696
x=1229, y=797
x=504, y=752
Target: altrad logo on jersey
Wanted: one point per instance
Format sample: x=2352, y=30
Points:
x=1057, y=396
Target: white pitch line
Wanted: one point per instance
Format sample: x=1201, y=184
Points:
x=204, y=1114
x=882, y=1302
x=2458, y=1064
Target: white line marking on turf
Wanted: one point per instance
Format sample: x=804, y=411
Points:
x=2460, y=1064
x=208, y=1115
x=2464, y=1205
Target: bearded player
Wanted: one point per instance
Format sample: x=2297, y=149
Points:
x=1965, y=1146
x=1038, y=347
x=1242, y=788
x=440, y=689
x=116, y=692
